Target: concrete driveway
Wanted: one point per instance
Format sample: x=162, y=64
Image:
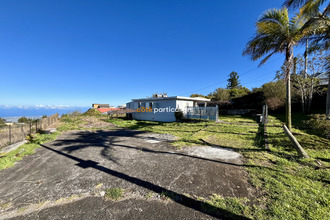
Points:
x=66, y=179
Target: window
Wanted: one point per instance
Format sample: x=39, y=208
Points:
x=150, y=105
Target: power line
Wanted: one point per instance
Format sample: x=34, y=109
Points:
x=217, y=83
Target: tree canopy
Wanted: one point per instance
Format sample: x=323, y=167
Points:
x=233, y=81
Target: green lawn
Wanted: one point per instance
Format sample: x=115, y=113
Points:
x=288, y=187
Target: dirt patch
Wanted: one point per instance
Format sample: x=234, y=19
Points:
x=94, y=122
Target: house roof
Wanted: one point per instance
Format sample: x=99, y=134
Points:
x=101, y=105
x=102, y=110
x=197, y=99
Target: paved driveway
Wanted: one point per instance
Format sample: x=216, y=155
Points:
x=66, y=179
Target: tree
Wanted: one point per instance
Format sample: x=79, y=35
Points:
x=275, y=94
x=277, y=33
x=2, y=121
x=238, y=92
x=306, y=83
x=318, y=28
x=233, y=81
x=197, y=95
x=221, y=94
x=307, y=6
x=24, y=120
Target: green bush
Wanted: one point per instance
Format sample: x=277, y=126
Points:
x=113, y=193
x=92, y=112
x=178, y=115
x=319, y=124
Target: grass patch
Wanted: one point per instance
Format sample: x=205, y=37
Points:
x=288, y=187
x=9, y=159
x=113, y=193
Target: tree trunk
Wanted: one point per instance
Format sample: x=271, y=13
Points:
x=288, y=103
x=288, y=61
x=310, y=95
x=302, y=100
x=306, y=57
x=328, y=98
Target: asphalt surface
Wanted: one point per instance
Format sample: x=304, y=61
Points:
x=67, y=178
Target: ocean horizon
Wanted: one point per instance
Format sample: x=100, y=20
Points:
x=13, y=114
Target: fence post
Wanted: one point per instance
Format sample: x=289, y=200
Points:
x=22, y=130
x=30, y=128
x=263, y=115
x=216, y=113
x=36, y=125
x=9, y=134
x=266, y=113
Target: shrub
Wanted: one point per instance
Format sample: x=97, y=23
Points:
x=113, y=193
x=319, y=124
x=92, y=112
x=178, y=115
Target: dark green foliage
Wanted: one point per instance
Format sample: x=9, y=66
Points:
x=319, y=124
x=274, y=93
x=24, y=120
x=2, y=121
x=221, y=94
x=113, y=193
x=238, y=92
x=197, y=95
x=178, y=115
x=233, y=81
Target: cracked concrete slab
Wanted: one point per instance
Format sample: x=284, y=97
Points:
x=78, y=161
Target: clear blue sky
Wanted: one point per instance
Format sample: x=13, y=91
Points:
x=78, y=52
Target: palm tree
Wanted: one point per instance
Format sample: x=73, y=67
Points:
x=307, y=6
x=318, y=25
x=276, y=33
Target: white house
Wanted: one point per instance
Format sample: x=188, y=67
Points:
x=163, y=107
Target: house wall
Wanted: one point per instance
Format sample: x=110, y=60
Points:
x=166, y=116
x=182, y=105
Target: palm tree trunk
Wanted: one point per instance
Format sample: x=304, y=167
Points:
x=306, y=58
x=288, y=61
x=288, y=103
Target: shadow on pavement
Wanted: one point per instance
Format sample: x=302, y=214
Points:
x=107, y=140
x=176, y=197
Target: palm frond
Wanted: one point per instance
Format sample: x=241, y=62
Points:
x=275, y=34
x=294, y=4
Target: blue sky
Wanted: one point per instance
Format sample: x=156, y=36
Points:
x=79, y=52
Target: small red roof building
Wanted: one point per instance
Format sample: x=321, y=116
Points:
x=103, y=110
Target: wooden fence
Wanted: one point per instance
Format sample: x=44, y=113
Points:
x=18, y=132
